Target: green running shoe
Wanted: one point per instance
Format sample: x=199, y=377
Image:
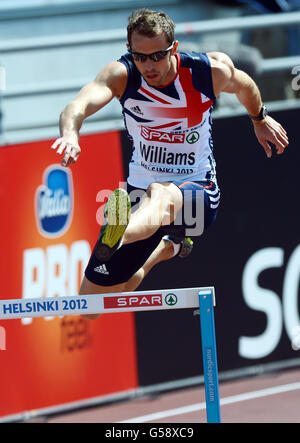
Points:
x=186, y=245
x=117, y=213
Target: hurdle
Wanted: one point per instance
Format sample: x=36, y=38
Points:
x=202, y=298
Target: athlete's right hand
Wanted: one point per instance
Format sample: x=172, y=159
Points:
x=70, y=147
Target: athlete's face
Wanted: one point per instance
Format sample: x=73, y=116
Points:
x=156, y=73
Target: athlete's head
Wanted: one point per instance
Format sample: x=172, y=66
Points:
x=151, y=41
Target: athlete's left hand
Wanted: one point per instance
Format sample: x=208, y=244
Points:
x=269, y=130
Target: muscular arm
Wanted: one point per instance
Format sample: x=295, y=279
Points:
x=227, y=78
x=109, y=83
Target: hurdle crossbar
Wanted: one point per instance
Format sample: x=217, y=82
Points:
x=202, y=298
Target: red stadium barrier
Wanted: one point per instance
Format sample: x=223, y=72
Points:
x=48, y=229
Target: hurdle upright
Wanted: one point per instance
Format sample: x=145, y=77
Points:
x=202, y=298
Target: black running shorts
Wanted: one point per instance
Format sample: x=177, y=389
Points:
x=201, y=200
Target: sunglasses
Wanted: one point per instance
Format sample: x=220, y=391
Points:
x=155, y=56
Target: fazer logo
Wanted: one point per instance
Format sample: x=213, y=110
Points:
x=167, y=137
x=133, y=301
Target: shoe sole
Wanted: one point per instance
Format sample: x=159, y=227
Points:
x=117, y=214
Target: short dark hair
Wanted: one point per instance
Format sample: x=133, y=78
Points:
x=150, y=23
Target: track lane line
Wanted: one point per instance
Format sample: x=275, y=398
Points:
x=224, y=401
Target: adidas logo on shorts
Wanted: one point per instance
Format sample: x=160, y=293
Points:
x=101, y=269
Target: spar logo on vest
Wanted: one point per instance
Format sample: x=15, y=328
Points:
x=54, y=202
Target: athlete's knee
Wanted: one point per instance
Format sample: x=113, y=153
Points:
x=154, y=189
x=135, y=280
x=167, y=200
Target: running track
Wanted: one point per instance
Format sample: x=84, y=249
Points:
x=270, y=398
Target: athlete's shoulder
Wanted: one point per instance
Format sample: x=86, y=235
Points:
x=222, y=68
x=114, y=76
x=217, y=57
x=115, y=70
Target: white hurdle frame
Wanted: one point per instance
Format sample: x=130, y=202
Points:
x=202, y=298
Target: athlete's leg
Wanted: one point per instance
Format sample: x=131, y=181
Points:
x=159, y=207
x=164, y=251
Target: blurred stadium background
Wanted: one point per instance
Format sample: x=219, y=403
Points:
x=48, y=50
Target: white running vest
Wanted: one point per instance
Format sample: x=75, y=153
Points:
x=170, y=127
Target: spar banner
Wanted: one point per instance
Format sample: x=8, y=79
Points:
x=251, y=255
x=50, y=220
